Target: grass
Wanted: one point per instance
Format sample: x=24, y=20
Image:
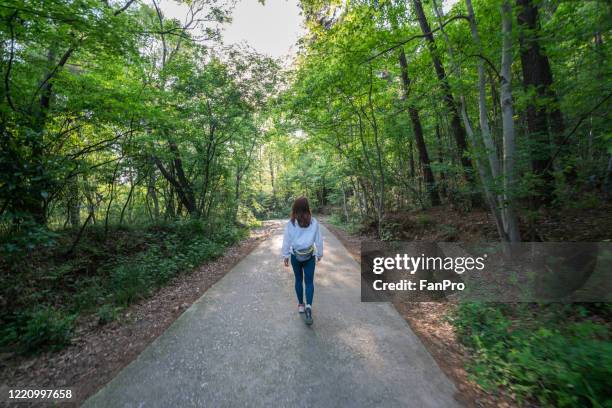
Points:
x=107, y=272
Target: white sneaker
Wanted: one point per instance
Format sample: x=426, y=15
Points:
x=301, y=308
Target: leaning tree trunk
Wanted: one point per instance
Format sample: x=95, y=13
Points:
x=449, y=100
x=428, y=175
x=488, y=176
x=510, y=220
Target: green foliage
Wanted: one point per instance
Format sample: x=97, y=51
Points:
x=339, y=221
x=22, y=236
x=107, y=313
x=123, y=115
x=424, y=220
x=108, y=272
x=550, y=355
x=246, y=217
x=388, y=230
x=344, y=134
x=39, y=329
x=183, y=249
x=162, y=140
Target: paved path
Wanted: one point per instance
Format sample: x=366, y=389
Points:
x=243, y=344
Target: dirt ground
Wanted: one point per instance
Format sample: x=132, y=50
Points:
x=98, y=353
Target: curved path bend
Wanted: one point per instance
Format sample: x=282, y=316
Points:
x=243, y=344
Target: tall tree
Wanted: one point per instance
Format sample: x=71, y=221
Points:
x=456, y=126
x=544, y=118
x=417, y=128
x=507, y=108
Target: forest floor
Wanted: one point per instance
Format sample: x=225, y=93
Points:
x=430, y=320
x=98, y=352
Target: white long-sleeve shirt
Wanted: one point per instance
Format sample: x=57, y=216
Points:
x=298, y=238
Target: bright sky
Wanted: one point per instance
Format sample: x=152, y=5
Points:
x=270, y=29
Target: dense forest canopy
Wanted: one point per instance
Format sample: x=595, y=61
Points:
x=415, y=103
x=111, y=112
x=115, y=113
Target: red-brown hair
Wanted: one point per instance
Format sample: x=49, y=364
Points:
x=300, y=211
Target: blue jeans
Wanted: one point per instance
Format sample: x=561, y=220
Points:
x=304, y=271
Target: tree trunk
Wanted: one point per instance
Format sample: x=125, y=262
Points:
x=112, y=196
x=237, y=195
x=170, y=211
x=344, y=206
x=458, y=130
x=488, y=176
x=178, y=180
x=369, y=164
x=74, y=213
x=485, y=129
x=440, y=160
x=359, y=197
x=428, y=175
x=151, y=182
x=537, y=75
x=510, y=220
x=272, y=180
x=129, y=198
x=411, y=159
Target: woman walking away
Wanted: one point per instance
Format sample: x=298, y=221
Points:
x=302, y=244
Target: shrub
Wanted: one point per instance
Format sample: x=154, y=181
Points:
x=107, y=313
x=22, y=236
x=557, y=362
x=352, y=227
x=38, y=329
x=130, y=282
x=246, y=217
x=424, y=220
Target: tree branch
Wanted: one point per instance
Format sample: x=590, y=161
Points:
x=488, y=61
x=414, y=37
x=122, y=9
x=574, y=129
x=51, y=74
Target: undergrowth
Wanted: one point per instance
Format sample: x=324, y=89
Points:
x=555, y=355
x=109, y=270
x=339, y=221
